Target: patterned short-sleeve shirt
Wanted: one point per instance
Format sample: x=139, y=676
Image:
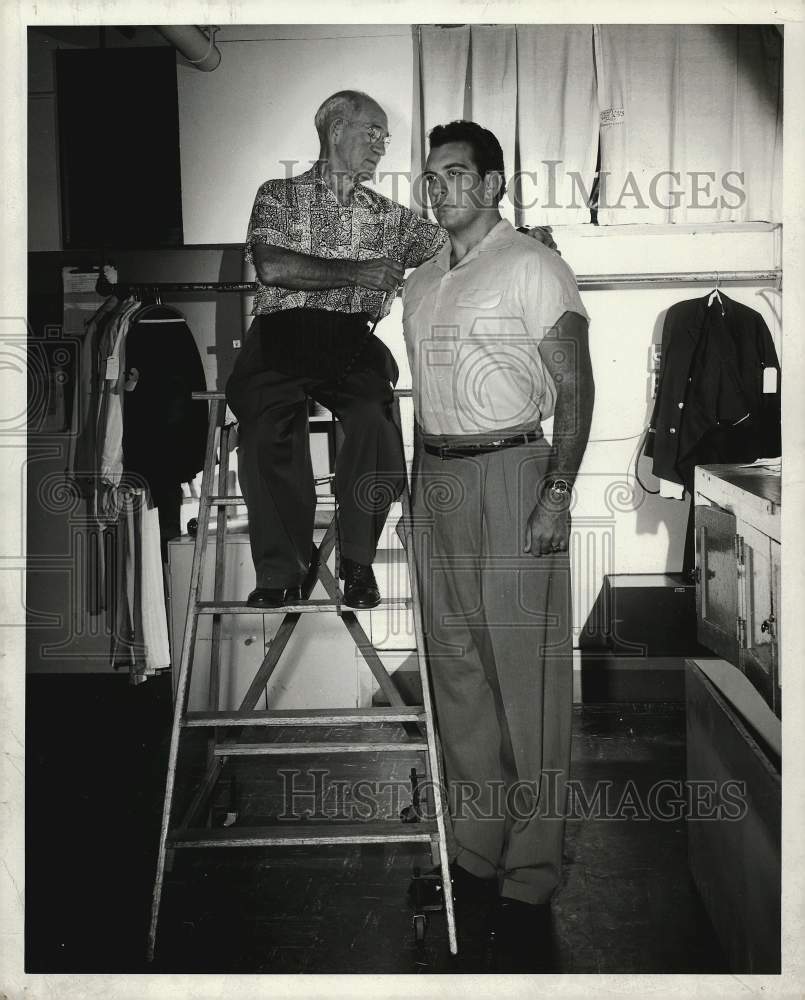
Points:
x=301, y=213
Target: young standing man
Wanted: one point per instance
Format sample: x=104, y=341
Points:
x=497, y=339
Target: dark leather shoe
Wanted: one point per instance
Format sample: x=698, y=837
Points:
x=360, y=586
x=467, y=888
x=266, y=597
x=274, y=597
x=523, y=937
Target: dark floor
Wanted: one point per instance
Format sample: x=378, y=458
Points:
x=96, y=757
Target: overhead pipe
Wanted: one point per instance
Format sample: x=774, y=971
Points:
x=193, y=44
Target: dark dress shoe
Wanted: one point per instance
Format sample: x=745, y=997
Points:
x=523, y=937
x=360, y=586
x=467, y=888
x=274, y=597
x=266, y=597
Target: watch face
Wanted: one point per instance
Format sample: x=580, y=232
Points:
x=560, y=487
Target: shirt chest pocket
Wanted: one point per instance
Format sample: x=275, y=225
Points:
x=479, y=298
x=371, y=239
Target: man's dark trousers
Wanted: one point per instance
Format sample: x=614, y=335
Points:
x=274, y=464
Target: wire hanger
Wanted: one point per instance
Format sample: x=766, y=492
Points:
x=715, y=295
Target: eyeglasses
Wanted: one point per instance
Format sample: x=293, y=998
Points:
x=374, y=132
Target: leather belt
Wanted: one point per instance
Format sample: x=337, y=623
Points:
x=468, y=450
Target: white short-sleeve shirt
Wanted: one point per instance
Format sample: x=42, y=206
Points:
x=473, y=332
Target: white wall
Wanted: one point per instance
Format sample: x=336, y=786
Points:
x=239, y=123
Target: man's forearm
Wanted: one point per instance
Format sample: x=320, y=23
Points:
x=572, y=418
x=565, y=353
x=301, y=271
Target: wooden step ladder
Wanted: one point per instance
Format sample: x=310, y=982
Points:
x=419, y=720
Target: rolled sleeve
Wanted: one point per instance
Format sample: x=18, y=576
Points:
x=550, y=292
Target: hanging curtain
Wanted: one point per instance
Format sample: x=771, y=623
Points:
x=557, y=122
x=440, y=83
x=691, y=123
x=493, y=95
x=534, y=88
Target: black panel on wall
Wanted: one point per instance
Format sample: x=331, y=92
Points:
x=119, y=147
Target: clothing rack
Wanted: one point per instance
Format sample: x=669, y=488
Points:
x=584, y=281
x=681, y=278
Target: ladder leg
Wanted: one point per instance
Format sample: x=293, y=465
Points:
x=214, y=691
x=434, y=768
x=188, y=644
x=213, y=699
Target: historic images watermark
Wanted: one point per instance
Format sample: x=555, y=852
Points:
x=551, y=186
x=315, y=794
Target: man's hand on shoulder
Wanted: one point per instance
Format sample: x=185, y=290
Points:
x=544, y=234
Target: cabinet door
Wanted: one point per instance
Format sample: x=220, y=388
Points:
x=756, y=654
x=716, y=582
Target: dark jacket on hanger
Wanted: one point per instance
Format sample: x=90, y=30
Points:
x=710, y=406
x=164, y=429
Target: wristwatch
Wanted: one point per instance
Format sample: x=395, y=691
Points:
x=558, y=491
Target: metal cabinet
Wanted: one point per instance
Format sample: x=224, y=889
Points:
x=737, y=518
x=734, y=856
x=717, y=581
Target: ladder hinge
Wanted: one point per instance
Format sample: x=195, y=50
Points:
x=739, y=549
x=740, y=629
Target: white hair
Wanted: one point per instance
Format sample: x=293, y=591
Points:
x=343, y=104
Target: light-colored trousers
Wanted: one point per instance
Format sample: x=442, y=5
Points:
x=498, y=633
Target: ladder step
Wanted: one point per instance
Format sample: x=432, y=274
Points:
x=307, y=833
x=322, y=500
x=232, y=749
x=306, y=717
x=217, y=394
x=319, y=604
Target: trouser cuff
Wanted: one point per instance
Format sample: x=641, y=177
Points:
x=474, y=864
x=358, y=553
x=523, y=892
x=274, y=583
